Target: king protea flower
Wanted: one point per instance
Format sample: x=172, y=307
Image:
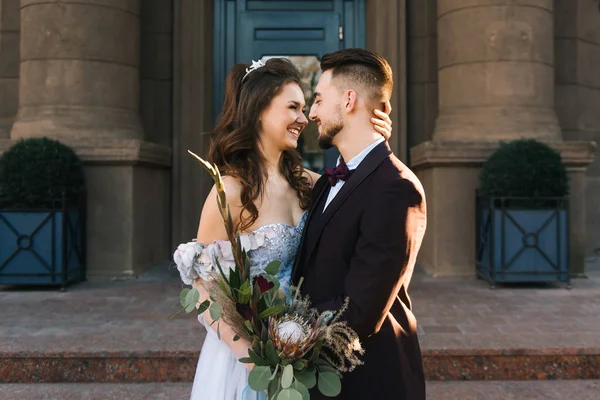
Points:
x=292, y=336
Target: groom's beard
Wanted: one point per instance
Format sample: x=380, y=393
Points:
x=326, y=139
x=330, y=131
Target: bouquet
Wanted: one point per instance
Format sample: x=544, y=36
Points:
x=294, y=347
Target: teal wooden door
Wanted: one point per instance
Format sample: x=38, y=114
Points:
x=302, y=30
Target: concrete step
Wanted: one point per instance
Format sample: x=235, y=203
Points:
x=476, y=390
x=180, y=366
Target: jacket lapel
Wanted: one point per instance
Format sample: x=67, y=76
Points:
x=364, y=169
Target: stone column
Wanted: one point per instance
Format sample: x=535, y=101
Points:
x=193, y=86
x=80, y=83
x=79, y=69
x=578, y=92
x=495, y=82
x=9, y=65
x=386, y=35
x=495, y=69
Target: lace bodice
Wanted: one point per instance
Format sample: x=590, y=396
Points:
x=268, y=243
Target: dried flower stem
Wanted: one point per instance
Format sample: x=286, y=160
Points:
x=213, y=170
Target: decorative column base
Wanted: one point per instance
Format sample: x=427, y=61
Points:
x=70, y=121
x=128, y=185
x=449, y=172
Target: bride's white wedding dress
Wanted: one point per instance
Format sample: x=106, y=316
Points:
x=219, y=375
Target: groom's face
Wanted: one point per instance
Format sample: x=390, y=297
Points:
x=326, y=111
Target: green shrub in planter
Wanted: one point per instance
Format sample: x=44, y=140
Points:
x=34, y=172
x=524, y=168
x=522, y=215
x=42, y=214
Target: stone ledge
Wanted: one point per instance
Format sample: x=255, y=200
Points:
x=179, y=366
x=576, y=154
x=115, y=151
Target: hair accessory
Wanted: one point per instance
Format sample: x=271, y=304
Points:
x=255, y=65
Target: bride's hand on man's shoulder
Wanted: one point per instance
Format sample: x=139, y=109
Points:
x=382, y=121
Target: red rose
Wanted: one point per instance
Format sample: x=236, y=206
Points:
x=263, y=283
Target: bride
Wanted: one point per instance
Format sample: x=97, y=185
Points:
x=254, y=145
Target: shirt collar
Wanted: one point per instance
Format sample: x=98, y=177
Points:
x=353, y=163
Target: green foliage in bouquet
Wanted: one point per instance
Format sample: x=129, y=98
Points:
x=294, y=347
x=37, y=171
x=524, y=168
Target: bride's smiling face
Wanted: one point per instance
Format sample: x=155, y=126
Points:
x=283, y=120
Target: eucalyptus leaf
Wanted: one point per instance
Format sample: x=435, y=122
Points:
x=203, y=306
x=299, y=386
x=274, y=373
x=258, y=379
x=236, y=338
x=245, y=360
x=287, y=377
x=327, y=368
x=329, y=384
x=289, y=394
x=182, y=296
x=191, y=299
x=274, y=387
x=215, y=311
x=307, y=377
x=273, y=267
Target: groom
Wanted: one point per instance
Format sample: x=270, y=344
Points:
x=365, y=227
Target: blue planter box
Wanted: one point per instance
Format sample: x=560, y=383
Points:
x=42, y=247
x=518, y=244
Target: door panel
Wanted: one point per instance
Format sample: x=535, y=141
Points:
x=266, y=33
x=303, y=31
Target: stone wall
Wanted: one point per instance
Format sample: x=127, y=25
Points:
x=577, y=50
x=422, y=70
x=156, y=71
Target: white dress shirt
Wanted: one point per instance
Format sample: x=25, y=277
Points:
x=352, y=164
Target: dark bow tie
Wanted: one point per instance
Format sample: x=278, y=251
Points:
x=341, y=172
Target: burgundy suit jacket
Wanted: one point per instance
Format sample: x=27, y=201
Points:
x=364, y=247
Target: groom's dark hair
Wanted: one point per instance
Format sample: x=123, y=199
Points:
x=363, y=67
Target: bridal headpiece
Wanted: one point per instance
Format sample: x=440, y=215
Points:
x=255, y=65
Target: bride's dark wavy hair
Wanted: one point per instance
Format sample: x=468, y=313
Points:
x=234, y=144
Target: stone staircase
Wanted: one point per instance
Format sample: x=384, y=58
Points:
x=113, y=340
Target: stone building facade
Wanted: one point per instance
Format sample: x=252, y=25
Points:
x=133, y=84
